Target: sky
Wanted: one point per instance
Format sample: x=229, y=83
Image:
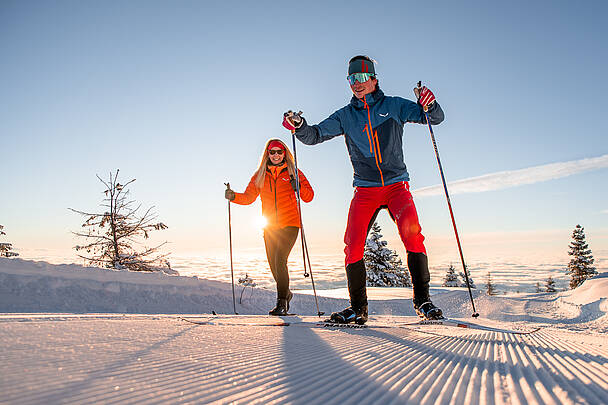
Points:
x=183, y=95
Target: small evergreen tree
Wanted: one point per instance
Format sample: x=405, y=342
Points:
x=538, y=289
x=113, y=236
x=490, y=288
x=384, y=267
x=246, y=282
x=550, y=285
x=464, y=280
x=451, y=278
x=580, y=266
x=6, y=249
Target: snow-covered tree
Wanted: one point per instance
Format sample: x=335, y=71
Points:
x=490, y=288
x=384, y=267
x=463, y=279
x=113, y=237
x=550, y=285
x=538, y=289
x=451, y=278
x=6, y=249
x=246, y=282
x=580, y=266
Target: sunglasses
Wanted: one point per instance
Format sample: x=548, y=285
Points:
x=359, y=77
x=275, y=151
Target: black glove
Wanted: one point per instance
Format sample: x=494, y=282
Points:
x=229, y=194
x=293, y=183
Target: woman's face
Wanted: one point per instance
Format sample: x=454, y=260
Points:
x=276, y=155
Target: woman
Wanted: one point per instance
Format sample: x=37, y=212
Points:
x=275, y=183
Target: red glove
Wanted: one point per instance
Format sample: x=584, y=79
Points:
x=291, y=120
x=287, y=124
x=425, y=98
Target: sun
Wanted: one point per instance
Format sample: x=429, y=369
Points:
x=260, y=222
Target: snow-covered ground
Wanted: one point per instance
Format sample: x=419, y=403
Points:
x=82, y=335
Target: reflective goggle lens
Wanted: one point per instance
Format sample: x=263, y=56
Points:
x=358, y=77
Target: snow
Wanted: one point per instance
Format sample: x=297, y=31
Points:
x=85, y=335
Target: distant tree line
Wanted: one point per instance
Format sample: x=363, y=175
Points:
x=580, y=268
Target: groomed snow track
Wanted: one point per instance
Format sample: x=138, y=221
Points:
x=160, y=359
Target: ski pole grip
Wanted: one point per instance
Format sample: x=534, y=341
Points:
x=418, y=89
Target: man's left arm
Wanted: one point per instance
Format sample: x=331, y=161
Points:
x=414, y=112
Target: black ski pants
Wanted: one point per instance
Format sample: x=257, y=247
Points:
x=279, y=242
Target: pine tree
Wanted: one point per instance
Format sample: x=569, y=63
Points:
x=6, y=249
x=550, y=285
x=384, y=267
x=490, y=288
x=464, y=280
x=451, y=278
x=580, y=266
x=113, y=236
x=538, y=289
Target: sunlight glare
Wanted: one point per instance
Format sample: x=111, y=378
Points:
x=260, y=222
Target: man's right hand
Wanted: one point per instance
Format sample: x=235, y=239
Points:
x=292, y=121
x=229, y=194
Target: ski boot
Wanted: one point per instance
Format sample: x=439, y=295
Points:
x=282, y=307
x=428, y=311
x=350, y=315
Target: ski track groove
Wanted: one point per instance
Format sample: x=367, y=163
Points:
x=574, y=374
x=170, y=361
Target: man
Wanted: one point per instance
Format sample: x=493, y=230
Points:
x=372, y=125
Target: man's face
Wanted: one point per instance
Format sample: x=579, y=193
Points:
x=361, y=89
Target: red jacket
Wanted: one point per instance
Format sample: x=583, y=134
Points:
x=279, y=204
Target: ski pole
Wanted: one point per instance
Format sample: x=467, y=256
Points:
x=305, y=254
x=447, y=196
x=231, y=266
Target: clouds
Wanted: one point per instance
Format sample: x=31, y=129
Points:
x=514, y=178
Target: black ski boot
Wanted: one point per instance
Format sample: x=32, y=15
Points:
x=418, y=265
x=357, y=312
x=428, y=311
x=282, y=307
x=350, y=315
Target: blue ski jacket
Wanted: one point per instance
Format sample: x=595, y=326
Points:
x=373, y=133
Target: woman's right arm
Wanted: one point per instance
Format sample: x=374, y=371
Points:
x=250, y=194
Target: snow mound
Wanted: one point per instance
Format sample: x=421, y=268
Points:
x=592, y=290
x=31, y=286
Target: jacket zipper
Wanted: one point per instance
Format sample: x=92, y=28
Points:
x=276, y=209
x=372, y=137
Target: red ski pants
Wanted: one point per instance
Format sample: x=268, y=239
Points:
x=364, y=207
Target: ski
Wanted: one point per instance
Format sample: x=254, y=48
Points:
x=466, y=325
x=372, y=325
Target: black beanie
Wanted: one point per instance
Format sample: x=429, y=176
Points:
x=361, y=65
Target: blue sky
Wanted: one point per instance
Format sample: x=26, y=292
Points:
x=182, y=96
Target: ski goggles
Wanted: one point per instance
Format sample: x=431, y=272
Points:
x=359, y=77
x=275, y=151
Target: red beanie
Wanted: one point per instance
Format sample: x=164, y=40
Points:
x=275, y=144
